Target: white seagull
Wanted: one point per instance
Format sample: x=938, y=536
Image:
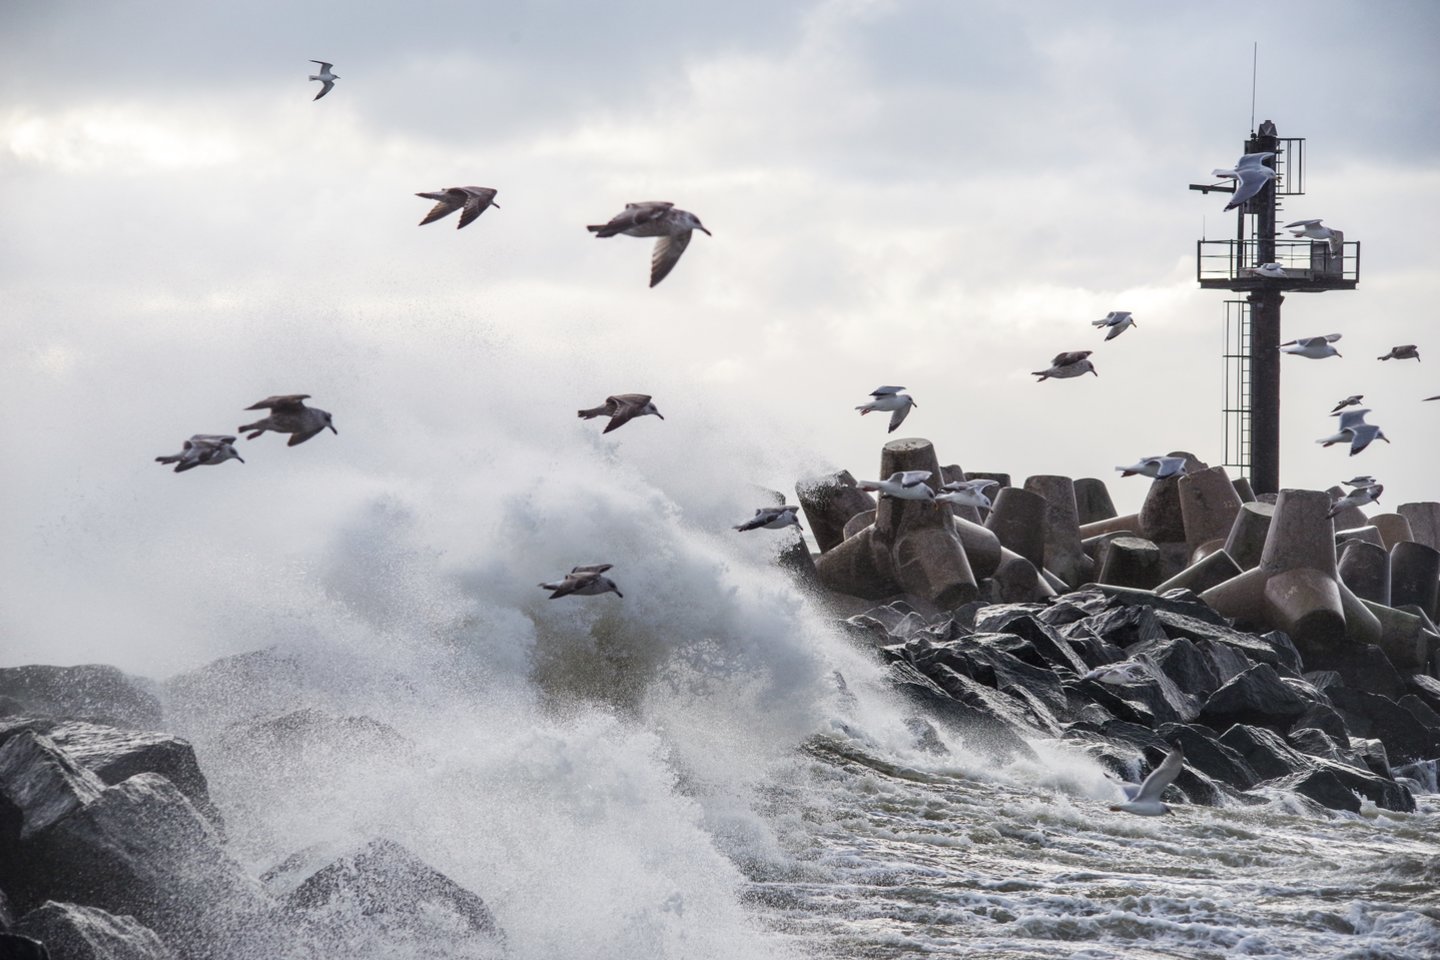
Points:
x=967, y=493
x=288, y=414
x=1315, y=348
x=1157, y=468
x=1066, y=365
x=1351, y=401
x=1250, y=175
x=583, y=581
x=1117, y=321
x=772, y=518
x=473, y=200
x=325, y=77
x=203, y=450
x=1144, y=799
x=1406, y=351
x=1315, y=231
x=1272, y=270
x=890, y=398
x=621, y=409
x=1357, y=498
x=655, y=218
x=1354, y=431
x=904, y=485
x=1364, y=480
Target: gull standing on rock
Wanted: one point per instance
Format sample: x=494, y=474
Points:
x=890, y=398
x=1351, y=401
x=655, y=218
x=288, y=414
x=904, y=485
x=1066, y=365
x=1144, y=799
x=772, y=518
x=1406, y=351
x=203, y=450
x=1156, y=468
x=1356, y=498
x=967, y=493
x=584, y=581
x=325, y=76
x=1315, y=348
x=1250, y=175
x=473, y=200
x=1117, y=321
x=621, y=409
x=1316, y=231
x=1354, y=431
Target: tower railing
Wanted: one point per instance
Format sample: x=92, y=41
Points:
x=1308, y=265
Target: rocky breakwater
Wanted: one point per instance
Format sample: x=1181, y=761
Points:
x=1258, y=635
x=111, y=848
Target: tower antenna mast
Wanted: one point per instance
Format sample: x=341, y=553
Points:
x=1254, y=64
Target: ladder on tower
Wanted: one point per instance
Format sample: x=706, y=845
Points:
x=1236, y=411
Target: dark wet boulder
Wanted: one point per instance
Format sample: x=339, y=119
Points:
x=1123, y=626
x=1425, y=687
x=114, y=755
x=1273, y=648
x=1206, y=753
x=15, y=947
x=1406, y=735
x=1189, y=667
x=1322, y=716
x=42, y=784
x=141, y=848
x=1264, y=751
x=7, y=913
x=382, y=892
x=1258, y=697
x=1363, y=668
x=1341, y=787
x=94, y=692
x=989, y=659
x=73, y=932
x=1048, y=646
x=1317, y=744
x=982, y=726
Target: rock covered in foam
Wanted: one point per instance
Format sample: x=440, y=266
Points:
x=73, y=932
x=95, y=692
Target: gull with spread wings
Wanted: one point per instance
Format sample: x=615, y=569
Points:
x=655, y=218
x=288, y=414
x=621, y=409
x=473, y=200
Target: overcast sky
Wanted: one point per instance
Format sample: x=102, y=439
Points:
x=936, y=194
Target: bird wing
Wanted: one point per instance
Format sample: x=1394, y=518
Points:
x=1073, y=356
x=586, y=568
x=300, y=436
x=324, y=67
x=283, y=403
x=666, y=254
x=1253, y=177
x=885, y=391
x=898, y=417
x=910, y=478
x=444, y=206
x=329, y=85
x=1161, y=777
x=1362, y=435
x=638, y=400
x=209, y=439
x=1303, y=223
x=477, y=199
x=1330, y=337
x=1350, y=419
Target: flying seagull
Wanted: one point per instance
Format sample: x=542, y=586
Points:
x=1144, y=800
x=655, y=218
x=621, y=409
x=1315, y=230
x=1065, y=365
x=1356, y=498
x=1250, y=175
x=288, y=414
x=1406, y=351
x=325, y=77
x=1156, y=468
x=771, y=518
x=903, y=485
x=1116, y=321
x=1315, y=348
x=967, y=493
x=1364, y=480
x=584, y=581
x=890, y=398
x=473, y=200
x=1351, y=401
x=203, y=450
x=1354, y=431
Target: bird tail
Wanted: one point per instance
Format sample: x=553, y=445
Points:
x=171, y=459
x=1041, y=374
x=592, y=413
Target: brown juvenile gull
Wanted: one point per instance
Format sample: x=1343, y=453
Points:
x=890, y=398
x=771, y=518
x=655, y=218
x=325, y=77
x=201, y=450
x=288, y=414
x=1351, y=401
x=1066, y=365
x=1144, y=799
x=621, y=409
x=1406, y=351
x=584, y=581
x=473, y=200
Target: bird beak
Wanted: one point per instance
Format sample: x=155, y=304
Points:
x=494, y=204
x=659, y=414
x=240, y=458
x=332, y=429
x=707, y=232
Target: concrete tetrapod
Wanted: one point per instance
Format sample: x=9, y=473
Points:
x=829, y=502
x=1018, y=519
x=1063, y=555
x=1130, y=562
x=1415, y=576
x=1365, y=568
x=1296, y=587
x=1247, y=535
x=1092, y=500
x=1393, y=529
x=1208, y=506
x=912, y=547
x=1424, y=520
